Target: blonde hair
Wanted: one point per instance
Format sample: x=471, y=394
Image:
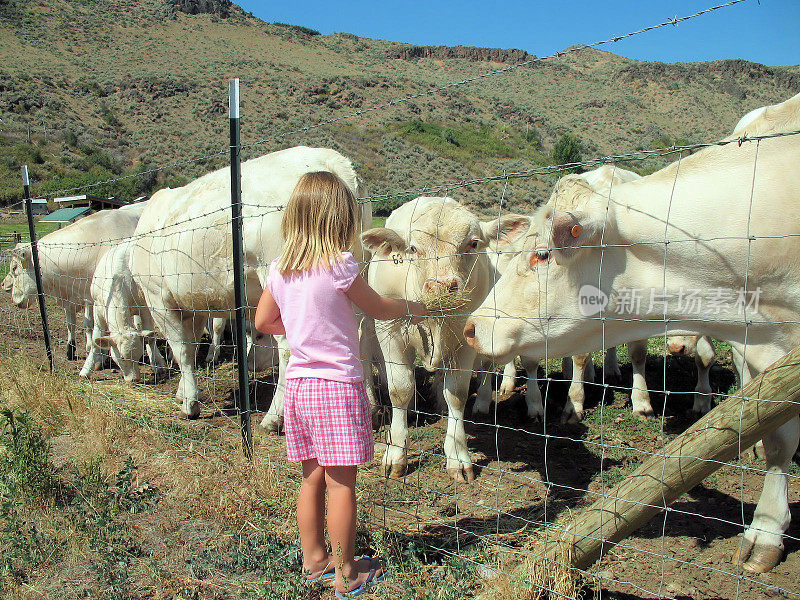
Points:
x=319, y=222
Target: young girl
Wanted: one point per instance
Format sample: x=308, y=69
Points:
x=327, y=417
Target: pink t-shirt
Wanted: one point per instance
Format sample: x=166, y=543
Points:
x=320, y=322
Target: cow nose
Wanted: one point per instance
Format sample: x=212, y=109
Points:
x=453, y=287
x=469, y=333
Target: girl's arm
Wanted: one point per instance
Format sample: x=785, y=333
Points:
x=268, y=315
x=381, y=307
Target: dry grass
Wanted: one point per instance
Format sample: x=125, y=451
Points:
x=212, y=486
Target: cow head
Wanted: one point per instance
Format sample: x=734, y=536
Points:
x=127, y=348
x=535, y=307
x=20, y=279
x=441, y=243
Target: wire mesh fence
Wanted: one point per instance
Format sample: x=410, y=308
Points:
x=677, y=287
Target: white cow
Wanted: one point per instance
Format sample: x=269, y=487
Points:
x=431, y=242
x=572, y=192
x=668, y=232
x=122, y=321
x=68, y=258
x=182, y=256
x=124, y=326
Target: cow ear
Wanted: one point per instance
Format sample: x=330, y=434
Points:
x=23, y=252
x=568, y=232
x=104, y=342
x=506, y=230
x=149, y=334
x=381, y=240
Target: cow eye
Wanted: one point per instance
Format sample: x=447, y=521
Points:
x=474, y=244
x=538, y=257
x=412, y=250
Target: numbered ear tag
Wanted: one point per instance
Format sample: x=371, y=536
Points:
x=24, y=263
x=576, y=230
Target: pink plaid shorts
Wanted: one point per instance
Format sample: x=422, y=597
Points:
x=327, y=420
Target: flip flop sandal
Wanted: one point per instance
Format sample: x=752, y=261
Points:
x=371, y=581
x=327, y=574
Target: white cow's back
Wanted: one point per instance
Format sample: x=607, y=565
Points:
x=183, y=249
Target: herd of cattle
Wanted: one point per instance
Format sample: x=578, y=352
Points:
x=725, y=217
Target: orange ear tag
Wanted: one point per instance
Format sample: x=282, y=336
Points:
x=576, y=230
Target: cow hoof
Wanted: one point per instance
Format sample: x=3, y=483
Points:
x=536, y=417
x=644, y=413
x=570, y=415
x=462, y=474
x=394, y=471
x=757, y=558
x=506, y=389
x=84, y=373
x=272, y=423
x=193, y=411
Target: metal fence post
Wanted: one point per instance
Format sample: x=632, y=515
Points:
x=26, y=183
x=238, y=273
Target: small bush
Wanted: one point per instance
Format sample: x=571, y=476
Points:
x=568, y=149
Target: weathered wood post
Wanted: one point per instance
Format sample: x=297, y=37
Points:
x=734, y=425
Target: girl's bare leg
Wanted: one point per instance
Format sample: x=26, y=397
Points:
x=310, y=518
x=350, y=573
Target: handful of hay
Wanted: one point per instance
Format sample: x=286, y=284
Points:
x=441, y=301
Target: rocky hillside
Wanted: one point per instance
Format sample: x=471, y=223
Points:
x=95, y=89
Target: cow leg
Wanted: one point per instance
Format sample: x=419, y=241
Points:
x=366, y=347
x=99, y=329
x=399, y=362
x=761, y=546
x=703, y=359
x=743, y=377
x=582, y=370
x=157, y=362
x=88, y=324
x=183, y=334
x=273, y=420
x=640, y=397
x=72, y=321
x=533, y=397
x=509, y=379
x=456, y=389
x=611, y=372
x=484, y=395
x=217, y=334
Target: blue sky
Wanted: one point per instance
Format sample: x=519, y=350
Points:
x=765, y=32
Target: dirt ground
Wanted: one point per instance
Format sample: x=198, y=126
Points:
x=530, y=476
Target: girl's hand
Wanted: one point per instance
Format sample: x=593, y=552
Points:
x=417, y=312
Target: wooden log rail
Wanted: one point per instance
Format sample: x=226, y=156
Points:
x=734, y=425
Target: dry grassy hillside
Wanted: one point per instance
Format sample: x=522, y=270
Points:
x=108, y=87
